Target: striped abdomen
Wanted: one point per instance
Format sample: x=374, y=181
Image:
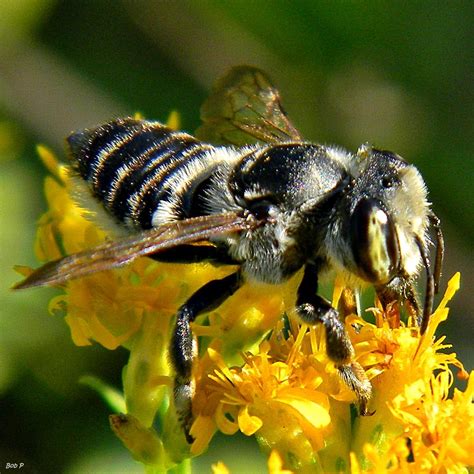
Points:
x=143, y=172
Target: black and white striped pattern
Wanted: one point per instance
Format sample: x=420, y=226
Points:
x=144, y=173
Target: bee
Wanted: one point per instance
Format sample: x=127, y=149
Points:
x=256, y=195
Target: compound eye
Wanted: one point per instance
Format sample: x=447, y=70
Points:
x=374, y=242
x=262, y=209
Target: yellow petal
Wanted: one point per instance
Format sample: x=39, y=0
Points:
x=174, y=120
x=219, y=468
x=202, y=430
x=313, y=406
x=453, y=286
x=355, y=467
x=225, y=425
x=80, y=333
x=50, y=161
x=248, y=424
x=275, y=464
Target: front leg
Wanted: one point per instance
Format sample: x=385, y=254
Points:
x=313, y=309
x=395, y=296
x=183, y=348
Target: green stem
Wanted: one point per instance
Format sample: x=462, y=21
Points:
x=184, y=468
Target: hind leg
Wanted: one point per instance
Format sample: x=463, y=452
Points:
x=183, y=348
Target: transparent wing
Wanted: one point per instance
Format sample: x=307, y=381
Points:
x=244, y=108
x=120, y=252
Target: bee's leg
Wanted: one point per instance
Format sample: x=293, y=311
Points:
x=183, y=348
x=387, y=295
x=412, y=306
x=314, y=309
x=397, y=296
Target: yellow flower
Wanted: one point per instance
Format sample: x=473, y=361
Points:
x=416, y=427
x=259, y=371
x=289, y=395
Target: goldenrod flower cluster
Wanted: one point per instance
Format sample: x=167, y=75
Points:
x=259, y=371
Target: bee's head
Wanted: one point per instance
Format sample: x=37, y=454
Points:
x=389, y=220
x=389, y=213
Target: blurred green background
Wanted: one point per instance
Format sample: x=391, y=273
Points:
x=398, y=75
